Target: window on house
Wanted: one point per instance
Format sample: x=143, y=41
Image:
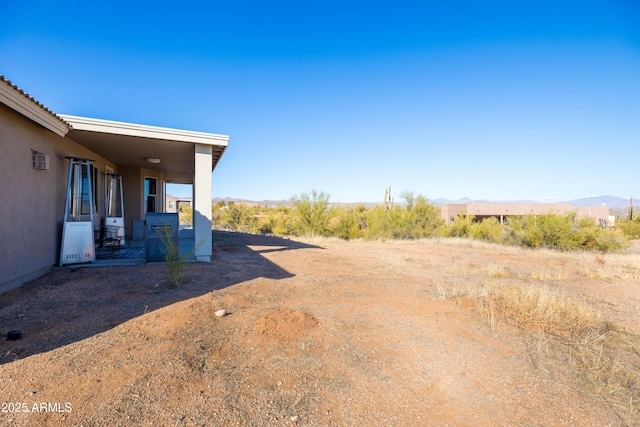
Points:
x=170, y=204
x=150, y=194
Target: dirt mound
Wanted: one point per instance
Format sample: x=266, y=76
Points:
x=286, y=325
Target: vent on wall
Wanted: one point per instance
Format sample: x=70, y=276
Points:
x=40, y=161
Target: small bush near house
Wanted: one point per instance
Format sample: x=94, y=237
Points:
x=175, y=263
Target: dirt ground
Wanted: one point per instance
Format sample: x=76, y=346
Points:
x=318, y=333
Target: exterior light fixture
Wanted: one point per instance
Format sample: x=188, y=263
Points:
x=153, y=160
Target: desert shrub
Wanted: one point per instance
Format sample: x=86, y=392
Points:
x=185, y=214
x=347, y=223
x=489, y=230
x=239, y=217
x=379, y=222
x=630, y=228
x=563, y=232
x=267, y=223
x=171, y=246
x=312, y=213
x=460, y=226
x=278, y=221
x=418, y=219
x=544, y=231
x=592, y=237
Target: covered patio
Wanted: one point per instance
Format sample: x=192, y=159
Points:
x=142, y=153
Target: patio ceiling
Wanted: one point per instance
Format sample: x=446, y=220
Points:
x=128, y=144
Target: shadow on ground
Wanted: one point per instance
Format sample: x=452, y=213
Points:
x=72, y=304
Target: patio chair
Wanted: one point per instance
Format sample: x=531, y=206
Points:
x=108, y=237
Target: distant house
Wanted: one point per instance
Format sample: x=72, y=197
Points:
x=173, y=204
x=502, y=211
x=36, y=145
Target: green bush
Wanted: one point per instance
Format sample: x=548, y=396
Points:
x=185, y=214
x=312, y=213
x=630, y=228
x=544, y=231
x=460, y=227
x=418, y=219
x=563, y=232
x=592, y=237
x=278, y=221
x=238, y=217
x=347, y=223
x=171, y=245
x=379, y=223
x=489, y=230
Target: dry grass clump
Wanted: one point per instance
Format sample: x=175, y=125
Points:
x=548, y=276
x=540, y=309
x=564, y=330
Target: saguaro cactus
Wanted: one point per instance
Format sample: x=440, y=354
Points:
x=388, y=200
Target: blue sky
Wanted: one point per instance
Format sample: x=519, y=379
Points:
x=498, y=100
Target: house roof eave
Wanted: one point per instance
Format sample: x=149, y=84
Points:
x=144, y=131
x=21, y=102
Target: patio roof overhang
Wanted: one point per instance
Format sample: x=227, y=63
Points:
x=129, y=144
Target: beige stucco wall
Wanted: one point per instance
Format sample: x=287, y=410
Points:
x=133, y=189
x=600, y=214
x=32, y=204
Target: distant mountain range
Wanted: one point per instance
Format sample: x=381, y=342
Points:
x=612, y=202
x=268, y=203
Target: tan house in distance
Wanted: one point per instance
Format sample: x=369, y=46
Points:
x=502, y=211
x=173, y=204
x=35, y=147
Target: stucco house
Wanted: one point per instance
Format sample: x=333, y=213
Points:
x=173, y=204
x=36, y=147
x=502, y=211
